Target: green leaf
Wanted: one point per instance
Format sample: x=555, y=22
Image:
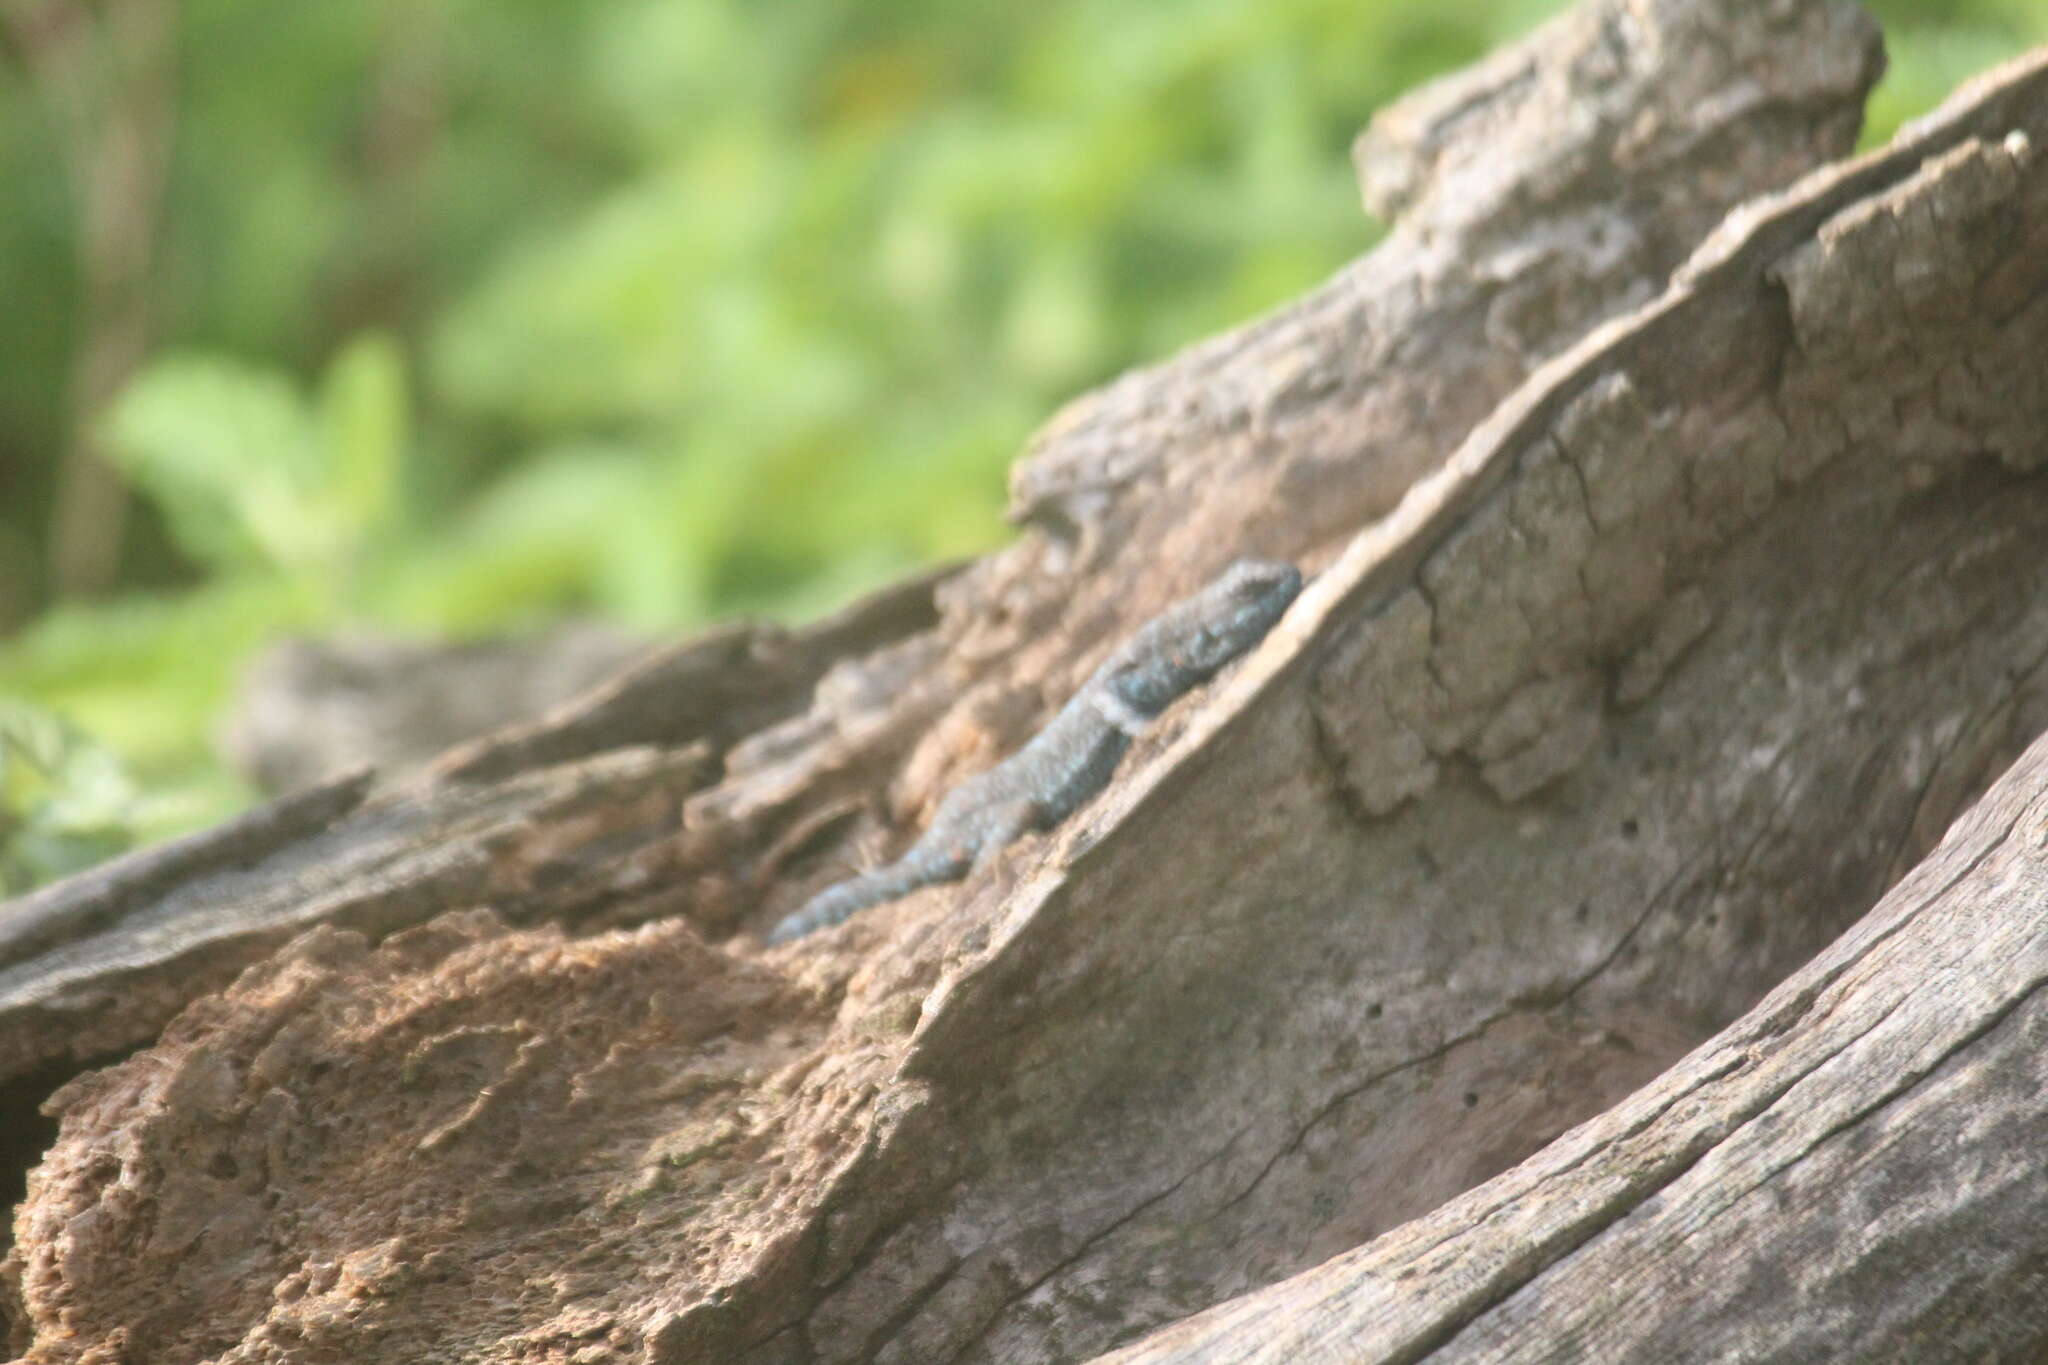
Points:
x=363, y=430
x=225, y=449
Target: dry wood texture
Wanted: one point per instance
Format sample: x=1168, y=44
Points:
x=1658, y=630
x=1851, y=1172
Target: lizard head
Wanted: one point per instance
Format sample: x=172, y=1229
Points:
x=1185, y=644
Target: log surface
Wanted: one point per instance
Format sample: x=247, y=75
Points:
x=1850, y=1172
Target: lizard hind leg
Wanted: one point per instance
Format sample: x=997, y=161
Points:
x=1004, y=825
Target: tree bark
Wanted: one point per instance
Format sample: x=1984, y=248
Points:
x=1655, y=634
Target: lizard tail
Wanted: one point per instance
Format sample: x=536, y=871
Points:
x=836, y=903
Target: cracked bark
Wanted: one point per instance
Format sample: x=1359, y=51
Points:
x=1706, y=607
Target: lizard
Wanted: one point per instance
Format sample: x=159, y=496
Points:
x=1071, y=759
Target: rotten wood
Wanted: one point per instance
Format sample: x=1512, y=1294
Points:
x=100, y=962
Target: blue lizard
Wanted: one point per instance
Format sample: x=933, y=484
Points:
x=1071, y=759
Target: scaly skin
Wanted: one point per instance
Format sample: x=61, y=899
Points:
x=1071, y=759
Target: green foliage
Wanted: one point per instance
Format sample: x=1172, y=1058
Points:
x=250, y=474
x=66, y=802
x=1934, y=45
x=471, y=313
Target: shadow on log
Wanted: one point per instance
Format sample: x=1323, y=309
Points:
x=1649, y=686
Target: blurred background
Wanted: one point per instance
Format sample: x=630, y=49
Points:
x=453, y=317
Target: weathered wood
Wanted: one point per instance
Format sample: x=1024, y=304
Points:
x=1683, y=658
x=1850, y=1172
x=99, y=962
x=1689, y=650
x=312, y=708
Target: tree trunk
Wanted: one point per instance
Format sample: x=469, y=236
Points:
x=1654, y=635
